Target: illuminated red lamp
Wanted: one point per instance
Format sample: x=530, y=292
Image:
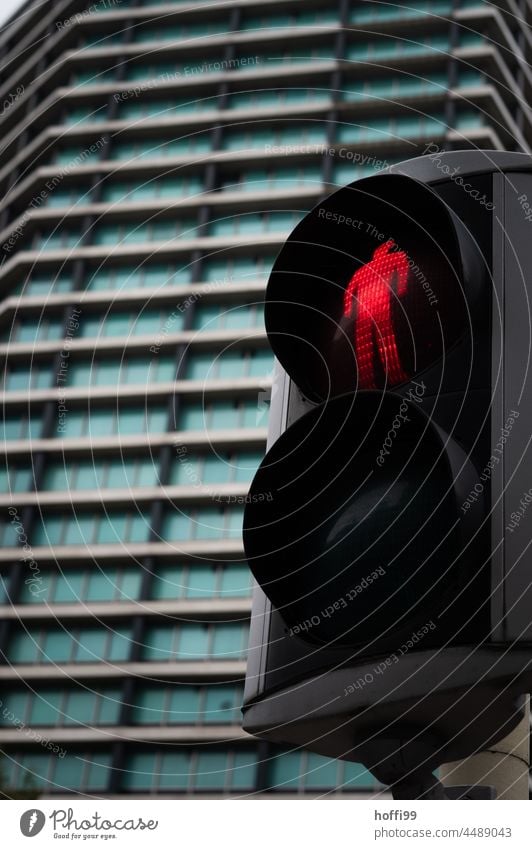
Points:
x=371, y=288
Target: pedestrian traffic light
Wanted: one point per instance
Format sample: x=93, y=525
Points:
x=391, y=582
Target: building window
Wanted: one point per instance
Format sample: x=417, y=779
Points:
x=196, y=642
x=230, y=363
x=78, y=645
x=114, y=528
x=180, y=704
x=300, y=770
x=201, y=581
x=202, y=469
x=138, y=277
x=221, y=415
x=161, y=148
x=83, y=585
x=75, y=772
x=162, y=187
x=203, y=523
x=20, y=426
x=62, y=707
x=133, y=370
x=196, y=770
x=211, y=317
x=251, y=222
x=118, y=421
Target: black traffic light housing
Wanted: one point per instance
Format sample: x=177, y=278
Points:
x=394, y=598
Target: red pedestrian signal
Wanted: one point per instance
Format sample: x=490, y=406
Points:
x=369, y=296
x=368, y=302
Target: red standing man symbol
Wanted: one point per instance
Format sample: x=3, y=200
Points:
x=371, y=285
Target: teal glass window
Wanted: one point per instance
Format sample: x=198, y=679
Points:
x=275, y=179
x=23, y=649
x=30, y=330
x=139, y=277
x=203, y=469
x=163, y=187
x=92, y=77
x=149, y=706
x=151, y=231
x=288, y=56
x=69, y=197
x=85, y=645
x=100, y=474
x=469, y=120
x=304, y=134
x=56, y=646
x=66, y=588
x=471, y=39
x=307, y=17
x=120, y=644
x=15, y=703
x=188, y=705
x=183, y=705
x=211, y=770
x=80, y=708
x=139, y=771
x=285, y=771
x=37, y=376
x=244, y=770
x=4, y=589
x=200, y=367
x=179, y=31
x=222, y=704
x=231, y=363
x=220, y=415
x=45, y=708
x=193, y=416
x=108, y=422
x=84, y=529
x=356, y=775
x=368, y=12
x=162, y=148
x=194, y=641
x=108, y=707
x=236, y=269
x=201, y=582
x=86, y=114
x=102, y=41
x=229, y=640
x=211, y=317
x=321, y=772
x=8, y=534
x=394, y=87
x=75, y=155
x=14, y=478
x=168, y=582
x=271, y=98
x=235, y=581
x=383, y=48
x=302, y=770
x=21, y=427
x=126, y=371
x=76, y=771
x=159, y=643
x=260, y=363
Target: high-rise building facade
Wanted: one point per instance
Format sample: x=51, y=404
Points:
x=153, y=159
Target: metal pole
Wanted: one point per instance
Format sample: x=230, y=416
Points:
x=505, y=765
